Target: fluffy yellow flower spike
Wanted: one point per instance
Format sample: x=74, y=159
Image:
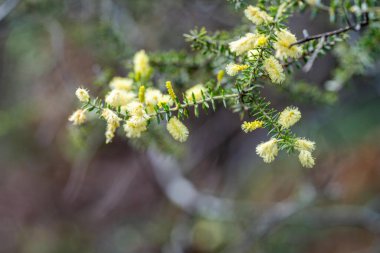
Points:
x=197, y=91
x=306, y=159
x=283, y=45
x=251, y=126
x=304, y=144
x=136, y=108
x=82, y=95
x=267, y=150
x=142, y=94
x=78, y=117
x=261, y=41
x=257, y=16
x=119, y=97
x=113, y=122
x=135, y=126
x=177, y=129
x=111, y=117
x=244, y=44
x=289, y=117
x=169, y=87
x=110, y=132
x=233, y=69
x=121, y=83
x=141, y=64
x=274, y=70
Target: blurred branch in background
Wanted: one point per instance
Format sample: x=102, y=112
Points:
x=183, y=193
x=6, y=7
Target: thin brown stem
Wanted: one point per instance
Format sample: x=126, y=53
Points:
x=353, y=27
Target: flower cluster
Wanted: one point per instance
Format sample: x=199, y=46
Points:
x=233, y=69
x=284, y=45
x=177, y=129
x=305, y=147
x=131, y=104
x=257, y=16
x=251, y=126
x=289, y=117
x=256, y=46
x=269, y=150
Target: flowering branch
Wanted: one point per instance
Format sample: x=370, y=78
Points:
x=258, y=55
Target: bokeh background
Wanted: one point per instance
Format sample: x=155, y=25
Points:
x=63, y=190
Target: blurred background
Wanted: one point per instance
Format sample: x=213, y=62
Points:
x=63, y=190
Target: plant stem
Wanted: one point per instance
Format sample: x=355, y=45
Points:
x=365, y=22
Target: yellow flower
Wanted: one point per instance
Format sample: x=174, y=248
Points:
x=261, y=41
x=152, y=96
x=136, y=109
x=82, y=95
x=110, y=132
x=233, y=69
x=165, y=99
x=289, y=117
x=306, y=159
x=304, y=144
x=155, y=97
x=113, y=122
x=177, y=129
x=197, y=91
x=121, y=83
x=134, y=126
x=251, y=126
x=169, y=87
x=243, y=44
x=257, y=16
x=141, y=64
x=274, y=70
x=142, y=94
x=119, y=97
x=283, y=45
x=78, y=117
x=267, y=150
x=111, y=118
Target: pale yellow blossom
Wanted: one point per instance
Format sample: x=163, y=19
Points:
x=78, y=117
x=233, y=69
x=267, y=150
x=141, y=64
x=134, y=126
x=111, y=117
x=197, y=91
x=289, y=116
x=121, y=83
x=177, y=129
x=119, y=97
x=306, y=159
x=283, y=45
x=257, y=16
x=244, y=44
x=304, y=144
x=274, y=70
x=82, y=95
